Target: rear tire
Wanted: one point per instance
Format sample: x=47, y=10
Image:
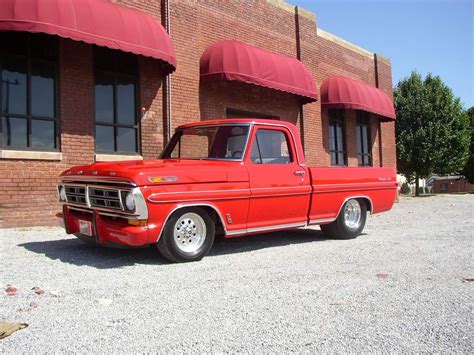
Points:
x=188, y=235
x=350, y=222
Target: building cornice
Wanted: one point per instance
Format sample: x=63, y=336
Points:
x=291, y=8
x=346, y=44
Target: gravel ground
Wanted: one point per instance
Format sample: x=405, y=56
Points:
x=400, y=287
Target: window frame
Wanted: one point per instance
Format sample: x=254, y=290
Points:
x=117, y=75
x=291, y=153
x=175, y=141
x=29, y=117
x=363, y=120
x=336, y=116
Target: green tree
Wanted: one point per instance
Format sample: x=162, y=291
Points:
x=432, y=128
x=468, y=170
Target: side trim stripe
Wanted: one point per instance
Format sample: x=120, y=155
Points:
x=267, y=228
x=235, y=194
x=323, y=220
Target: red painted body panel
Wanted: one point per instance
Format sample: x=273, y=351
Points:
x=246, y=197
x=278, y=196
x=332, y=186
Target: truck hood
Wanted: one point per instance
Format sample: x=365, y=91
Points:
x=165, y=171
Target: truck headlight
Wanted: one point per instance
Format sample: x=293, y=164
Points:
x=62, y=193
x=134, y=203
x=130, y=201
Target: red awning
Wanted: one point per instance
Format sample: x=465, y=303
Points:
x=99, y=22
x=343, y=92
x=233, y=60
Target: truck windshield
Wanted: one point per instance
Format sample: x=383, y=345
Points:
x=209, y=142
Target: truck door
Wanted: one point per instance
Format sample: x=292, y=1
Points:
x=280, y=187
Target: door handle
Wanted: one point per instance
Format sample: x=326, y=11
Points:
x=299, y=172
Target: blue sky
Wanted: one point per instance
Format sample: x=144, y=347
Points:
x=425, y=35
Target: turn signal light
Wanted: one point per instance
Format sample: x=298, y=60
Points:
x=163, y=179
x=137, y=222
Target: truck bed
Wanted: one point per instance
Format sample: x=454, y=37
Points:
x=331, y=187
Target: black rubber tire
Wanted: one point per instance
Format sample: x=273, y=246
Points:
x=167, y=247
x=339, y=230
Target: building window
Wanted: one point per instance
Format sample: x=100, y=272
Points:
x=337, y=144
x=234, y=113
x=115, y=101
x=28, y=91
x=364, y=151
x=444, y=187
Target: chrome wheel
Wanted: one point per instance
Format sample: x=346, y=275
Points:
x=352, y=214
x=189, y=232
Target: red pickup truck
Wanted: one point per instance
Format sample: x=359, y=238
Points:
x=229, y=177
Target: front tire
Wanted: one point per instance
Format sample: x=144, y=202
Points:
x=188, y=235
x=350, y=222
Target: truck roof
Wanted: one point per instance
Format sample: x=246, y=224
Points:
x=288, y=125
x=239, y=120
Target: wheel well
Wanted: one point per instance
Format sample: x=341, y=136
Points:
x=368, y=203
x=216, y=217
x=212, y=212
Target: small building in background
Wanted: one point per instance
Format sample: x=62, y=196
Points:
x=450, y=184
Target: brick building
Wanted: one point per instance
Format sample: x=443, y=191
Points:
x=450, y=184
x=74, y=101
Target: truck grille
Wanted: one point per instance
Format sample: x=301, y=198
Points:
x=76, y=194
x=105, y=198
x=95, y=197
x=102, y=197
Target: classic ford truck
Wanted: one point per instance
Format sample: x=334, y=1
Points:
x=229, y=177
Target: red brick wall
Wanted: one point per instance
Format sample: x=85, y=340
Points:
x=27, y=188
x=216, y=96
x=76, y=99
x=311, y=117
x=389, y=153
x=151, y=108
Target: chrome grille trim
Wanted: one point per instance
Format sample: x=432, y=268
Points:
x=105, y=203
x=95, y=196
x=80, y=209
x=104, y=199
x=76, y=194
x=95, y=179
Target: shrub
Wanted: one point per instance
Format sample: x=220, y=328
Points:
x=405, y=189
